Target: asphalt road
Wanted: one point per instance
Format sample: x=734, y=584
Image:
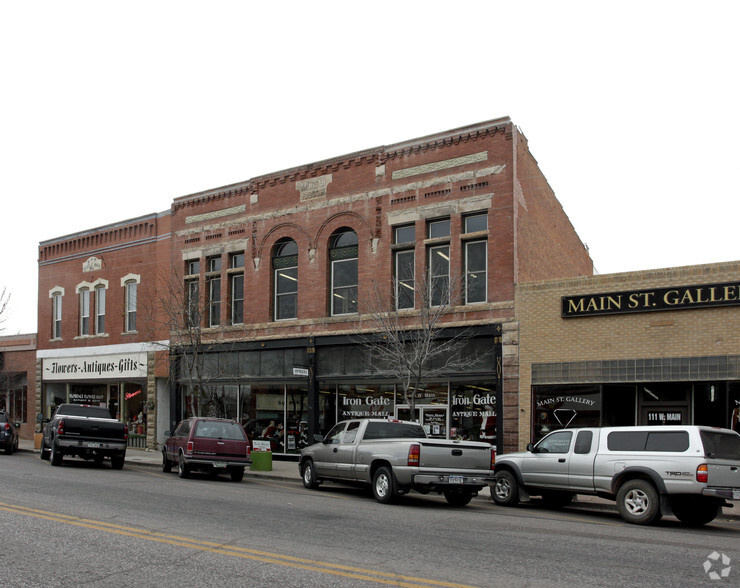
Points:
x=78, y=525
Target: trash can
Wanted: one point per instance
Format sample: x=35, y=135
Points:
x=261, y=461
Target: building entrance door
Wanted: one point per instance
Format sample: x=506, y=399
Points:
x=432, y=418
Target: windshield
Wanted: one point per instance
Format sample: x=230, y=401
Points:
x=721, y=445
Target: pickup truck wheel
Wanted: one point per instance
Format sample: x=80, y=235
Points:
x=237, y=474
x=44, y=450
x=505, y=490
x=695, y=512
x=308, y=475
x=383, y=485
x=56, y=456
x=116, y=462
x=638, y=502
x=166, y=463
x=458, y=497
x=183, y=470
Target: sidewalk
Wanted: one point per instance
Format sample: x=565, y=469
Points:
x=288, y=470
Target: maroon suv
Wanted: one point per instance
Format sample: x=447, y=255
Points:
x=208, y=445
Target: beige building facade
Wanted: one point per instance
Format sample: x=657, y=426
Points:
x=650, y=347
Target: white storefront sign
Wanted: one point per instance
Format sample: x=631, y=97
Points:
x=97, y=367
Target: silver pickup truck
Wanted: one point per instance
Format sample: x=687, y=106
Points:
x=687, y=471
x=395, y=457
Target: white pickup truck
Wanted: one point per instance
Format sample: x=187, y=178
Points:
x=687, y=471
x=395, y=457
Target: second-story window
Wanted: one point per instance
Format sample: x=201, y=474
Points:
x=131, y=303
x=439, y=262
x=404, y=261
x=56, y=314
x=192, y=294
x=343, y=252
x=236, y=277
x=213, y=280
x=99, y=310
x=85, y=311
x=476, y=259
x=285, y=268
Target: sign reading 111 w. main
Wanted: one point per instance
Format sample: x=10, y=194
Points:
x=676, y=298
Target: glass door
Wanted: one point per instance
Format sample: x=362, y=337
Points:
x=434, y=421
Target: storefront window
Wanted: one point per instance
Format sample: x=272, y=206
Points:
x=619, y=404
x=473, y=415
x=710, y=404
x=365, y=401
x=558, y=407
x=427, y=394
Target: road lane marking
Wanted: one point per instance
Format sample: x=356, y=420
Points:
x=234, y=551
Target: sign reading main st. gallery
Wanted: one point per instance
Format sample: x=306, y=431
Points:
x=680, y=297
x=119, y=366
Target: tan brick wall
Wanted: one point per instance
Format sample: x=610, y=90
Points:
x=547, y=337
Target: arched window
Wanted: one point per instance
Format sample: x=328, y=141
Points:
x=285, y=281
x=343, y=250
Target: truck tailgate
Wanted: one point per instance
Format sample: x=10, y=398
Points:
x=92, y=428
x=724, y=473
x=442, y=455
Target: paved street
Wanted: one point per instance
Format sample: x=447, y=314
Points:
x=86, y=526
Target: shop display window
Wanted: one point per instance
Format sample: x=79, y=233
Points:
x=365, y=401
x=558, y=407
x=473, y=411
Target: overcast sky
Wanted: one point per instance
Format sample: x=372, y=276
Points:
x=112, y=109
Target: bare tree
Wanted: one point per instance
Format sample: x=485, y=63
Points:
x=178, y=307
x=4, y=302
x=414, y=345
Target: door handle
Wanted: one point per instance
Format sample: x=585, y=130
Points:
x=561, y=460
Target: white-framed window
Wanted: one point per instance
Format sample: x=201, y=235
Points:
x=475, y=222
x=130, y=283
x=192, y=293
x=99, y=309
x=56, y=295
x=438, y=228
x=343, y=254
x=85, y=311
x=285, y=279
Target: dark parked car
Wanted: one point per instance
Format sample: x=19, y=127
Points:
x=8, y=434
x=208, y=445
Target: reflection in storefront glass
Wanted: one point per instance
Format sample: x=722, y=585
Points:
x=365, y=401
x=473, y=415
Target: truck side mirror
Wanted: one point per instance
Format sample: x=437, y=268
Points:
x=530, y=447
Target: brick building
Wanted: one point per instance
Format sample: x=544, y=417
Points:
x=18, y=380
x=650, y=347
x=277, y=273
x=94, y=344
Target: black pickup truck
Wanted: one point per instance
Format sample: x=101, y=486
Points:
x=84, y=431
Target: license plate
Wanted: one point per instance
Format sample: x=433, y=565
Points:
x=94, y=445
x=735, y=494
x=456, y=479
x=219, y=464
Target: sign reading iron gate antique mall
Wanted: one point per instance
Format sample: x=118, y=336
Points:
x=679, y=297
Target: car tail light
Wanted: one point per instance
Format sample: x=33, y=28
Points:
x=248, y=450
x=493, y=458
x=60, y=427
x=125, y=432
x=414, y=452
x=189, y=448
x=702, y=473
x=7, y=426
